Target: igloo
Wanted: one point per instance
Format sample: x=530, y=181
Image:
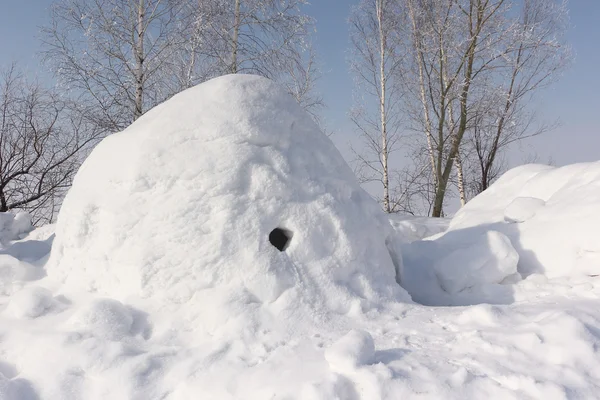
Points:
x=186, y=200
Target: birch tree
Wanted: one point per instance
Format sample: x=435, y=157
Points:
x=474, y=65
x=258, y=36
x=375, y=64
x=113, y=54
x=536, y=55
x=453, y=44
x=271, y=38
x=42, y=140
x=125, y=56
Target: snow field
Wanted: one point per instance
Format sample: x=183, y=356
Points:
x=162, y=283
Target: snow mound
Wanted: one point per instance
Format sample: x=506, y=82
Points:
x=549, y=214
x=461, y=267
x=353, y=350
x=31, y=302
x=180, y=206
x=104, y=318
x=489, y=258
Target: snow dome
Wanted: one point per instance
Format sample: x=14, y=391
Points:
x=230, y=186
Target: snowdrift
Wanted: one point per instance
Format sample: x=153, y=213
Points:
x=535, y=220
x=549, y=214
x=180, y=207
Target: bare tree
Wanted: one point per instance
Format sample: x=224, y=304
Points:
x=122, y=57
x=536, y=54
x=299, y=79
x=271, y=38
x=113, y=54
x=256, y=36
x=473, y=66
x=41, y=140
x=375, y=63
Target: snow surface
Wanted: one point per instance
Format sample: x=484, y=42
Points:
x=162, y=284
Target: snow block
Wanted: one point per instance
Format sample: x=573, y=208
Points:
x=489, y=258
x=185, y=199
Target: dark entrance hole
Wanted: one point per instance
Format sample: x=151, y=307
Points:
x=280, y=238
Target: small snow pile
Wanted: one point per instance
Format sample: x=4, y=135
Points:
x=460, y=267
x=549, y=214
x=486, y=259
x=31, y=302
x=14, y=226
x=181, y=205
x=105, y=318
x=353, y=350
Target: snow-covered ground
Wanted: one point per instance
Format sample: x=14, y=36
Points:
x=162, y=284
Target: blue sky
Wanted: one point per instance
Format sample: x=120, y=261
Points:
x=574, y=99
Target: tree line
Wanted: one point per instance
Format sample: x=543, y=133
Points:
x=448, y=81
x=113, y=60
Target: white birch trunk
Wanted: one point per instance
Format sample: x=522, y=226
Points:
x=382, y=108
x=235, y=38
x=139, y=62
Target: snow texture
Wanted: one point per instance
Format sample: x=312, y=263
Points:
x=410, y=228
